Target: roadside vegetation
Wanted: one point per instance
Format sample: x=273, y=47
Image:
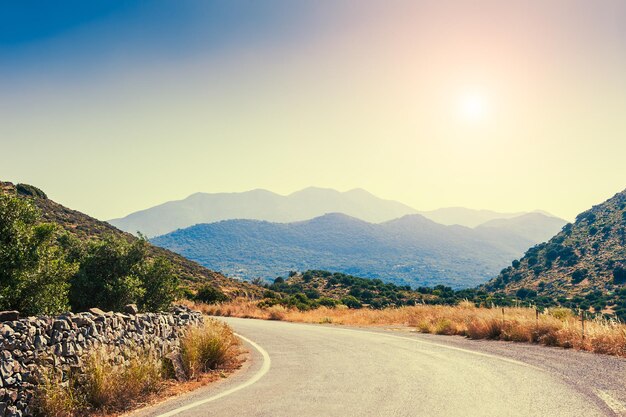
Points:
x=558, y=327
x=111, y=387
x=316, y=288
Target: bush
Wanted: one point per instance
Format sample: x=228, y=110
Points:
x=114, y=272
x=35, y=268
x=619, y=275
x=208, y=294
x=209, y=346
x=579, y=275
x=351, y=302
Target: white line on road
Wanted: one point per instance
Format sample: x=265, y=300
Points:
x=264, y=368
x=617, y=407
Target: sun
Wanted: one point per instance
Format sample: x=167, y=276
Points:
x=473, y=106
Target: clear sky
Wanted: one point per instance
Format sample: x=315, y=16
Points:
x=114, y=106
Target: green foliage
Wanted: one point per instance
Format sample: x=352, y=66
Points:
x=34, y=265
x=351, y=302
x=208, y=294
x=160, y=283
x=619, y=275
x=579, y=275
x=30, y=191
x=114, y=272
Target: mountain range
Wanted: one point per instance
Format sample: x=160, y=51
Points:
x=410, y=250
x=299, y=206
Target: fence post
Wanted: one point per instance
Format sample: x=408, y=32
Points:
x=536, y=318
x=582, y=323
x=502, y=316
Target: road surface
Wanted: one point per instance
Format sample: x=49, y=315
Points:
x=300, y=370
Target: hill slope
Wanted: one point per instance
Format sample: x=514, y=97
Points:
x=410, y=250
x=535, y=227
x=471, y=217
x=586, y=261
x=85, y=227
x=260, y=205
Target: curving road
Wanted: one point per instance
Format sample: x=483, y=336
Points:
x=310, y=370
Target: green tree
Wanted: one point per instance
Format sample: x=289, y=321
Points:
x=114, y=272
x=160, y=283
x=34, y=265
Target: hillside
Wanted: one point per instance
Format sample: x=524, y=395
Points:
x=411, y=250
x=584, y=264
x=260, y=205
x=535, y=227
x=463, y=216
x=85, y=227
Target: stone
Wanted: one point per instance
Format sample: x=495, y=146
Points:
x=97, y=312
x=61, y=325
x=10, y=315
x=6, y=331
x=174, y=361
x=131, y=309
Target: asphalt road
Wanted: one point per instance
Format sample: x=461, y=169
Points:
x=299, y=370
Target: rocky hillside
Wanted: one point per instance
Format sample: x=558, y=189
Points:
x=585, y=263
x=85, y=227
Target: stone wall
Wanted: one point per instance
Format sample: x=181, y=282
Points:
x=30, y=346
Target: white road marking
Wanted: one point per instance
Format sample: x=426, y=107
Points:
x=617, y=407
x=260, y=373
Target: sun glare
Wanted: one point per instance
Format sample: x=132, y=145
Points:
x=473, y=107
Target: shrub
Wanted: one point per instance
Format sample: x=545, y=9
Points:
x=351, y=302
x=114, y=272
x=579, y=275
x=208, y=294
x=619, y=275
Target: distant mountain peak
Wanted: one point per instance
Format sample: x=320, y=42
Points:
x=261, y=204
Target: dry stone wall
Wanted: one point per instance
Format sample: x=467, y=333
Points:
x=32, y=346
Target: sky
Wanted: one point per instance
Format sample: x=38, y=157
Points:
x=114, y=106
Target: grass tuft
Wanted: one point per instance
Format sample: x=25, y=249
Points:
x=208, y=347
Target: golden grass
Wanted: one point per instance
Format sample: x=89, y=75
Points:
x=556, y=327
x=209, y=347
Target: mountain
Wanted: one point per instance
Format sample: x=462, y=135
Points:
x=470, y=217
x=85, y=227
x=585, y=263
x=409, y=250
x=535, y=227
x=260, y=205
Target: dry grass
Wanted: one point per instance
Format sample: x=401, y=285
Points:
x=110, y=386
x=556, y=327
x=208, y=347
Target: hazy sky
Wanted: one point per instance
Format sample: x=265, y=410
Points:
x=114, y=106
